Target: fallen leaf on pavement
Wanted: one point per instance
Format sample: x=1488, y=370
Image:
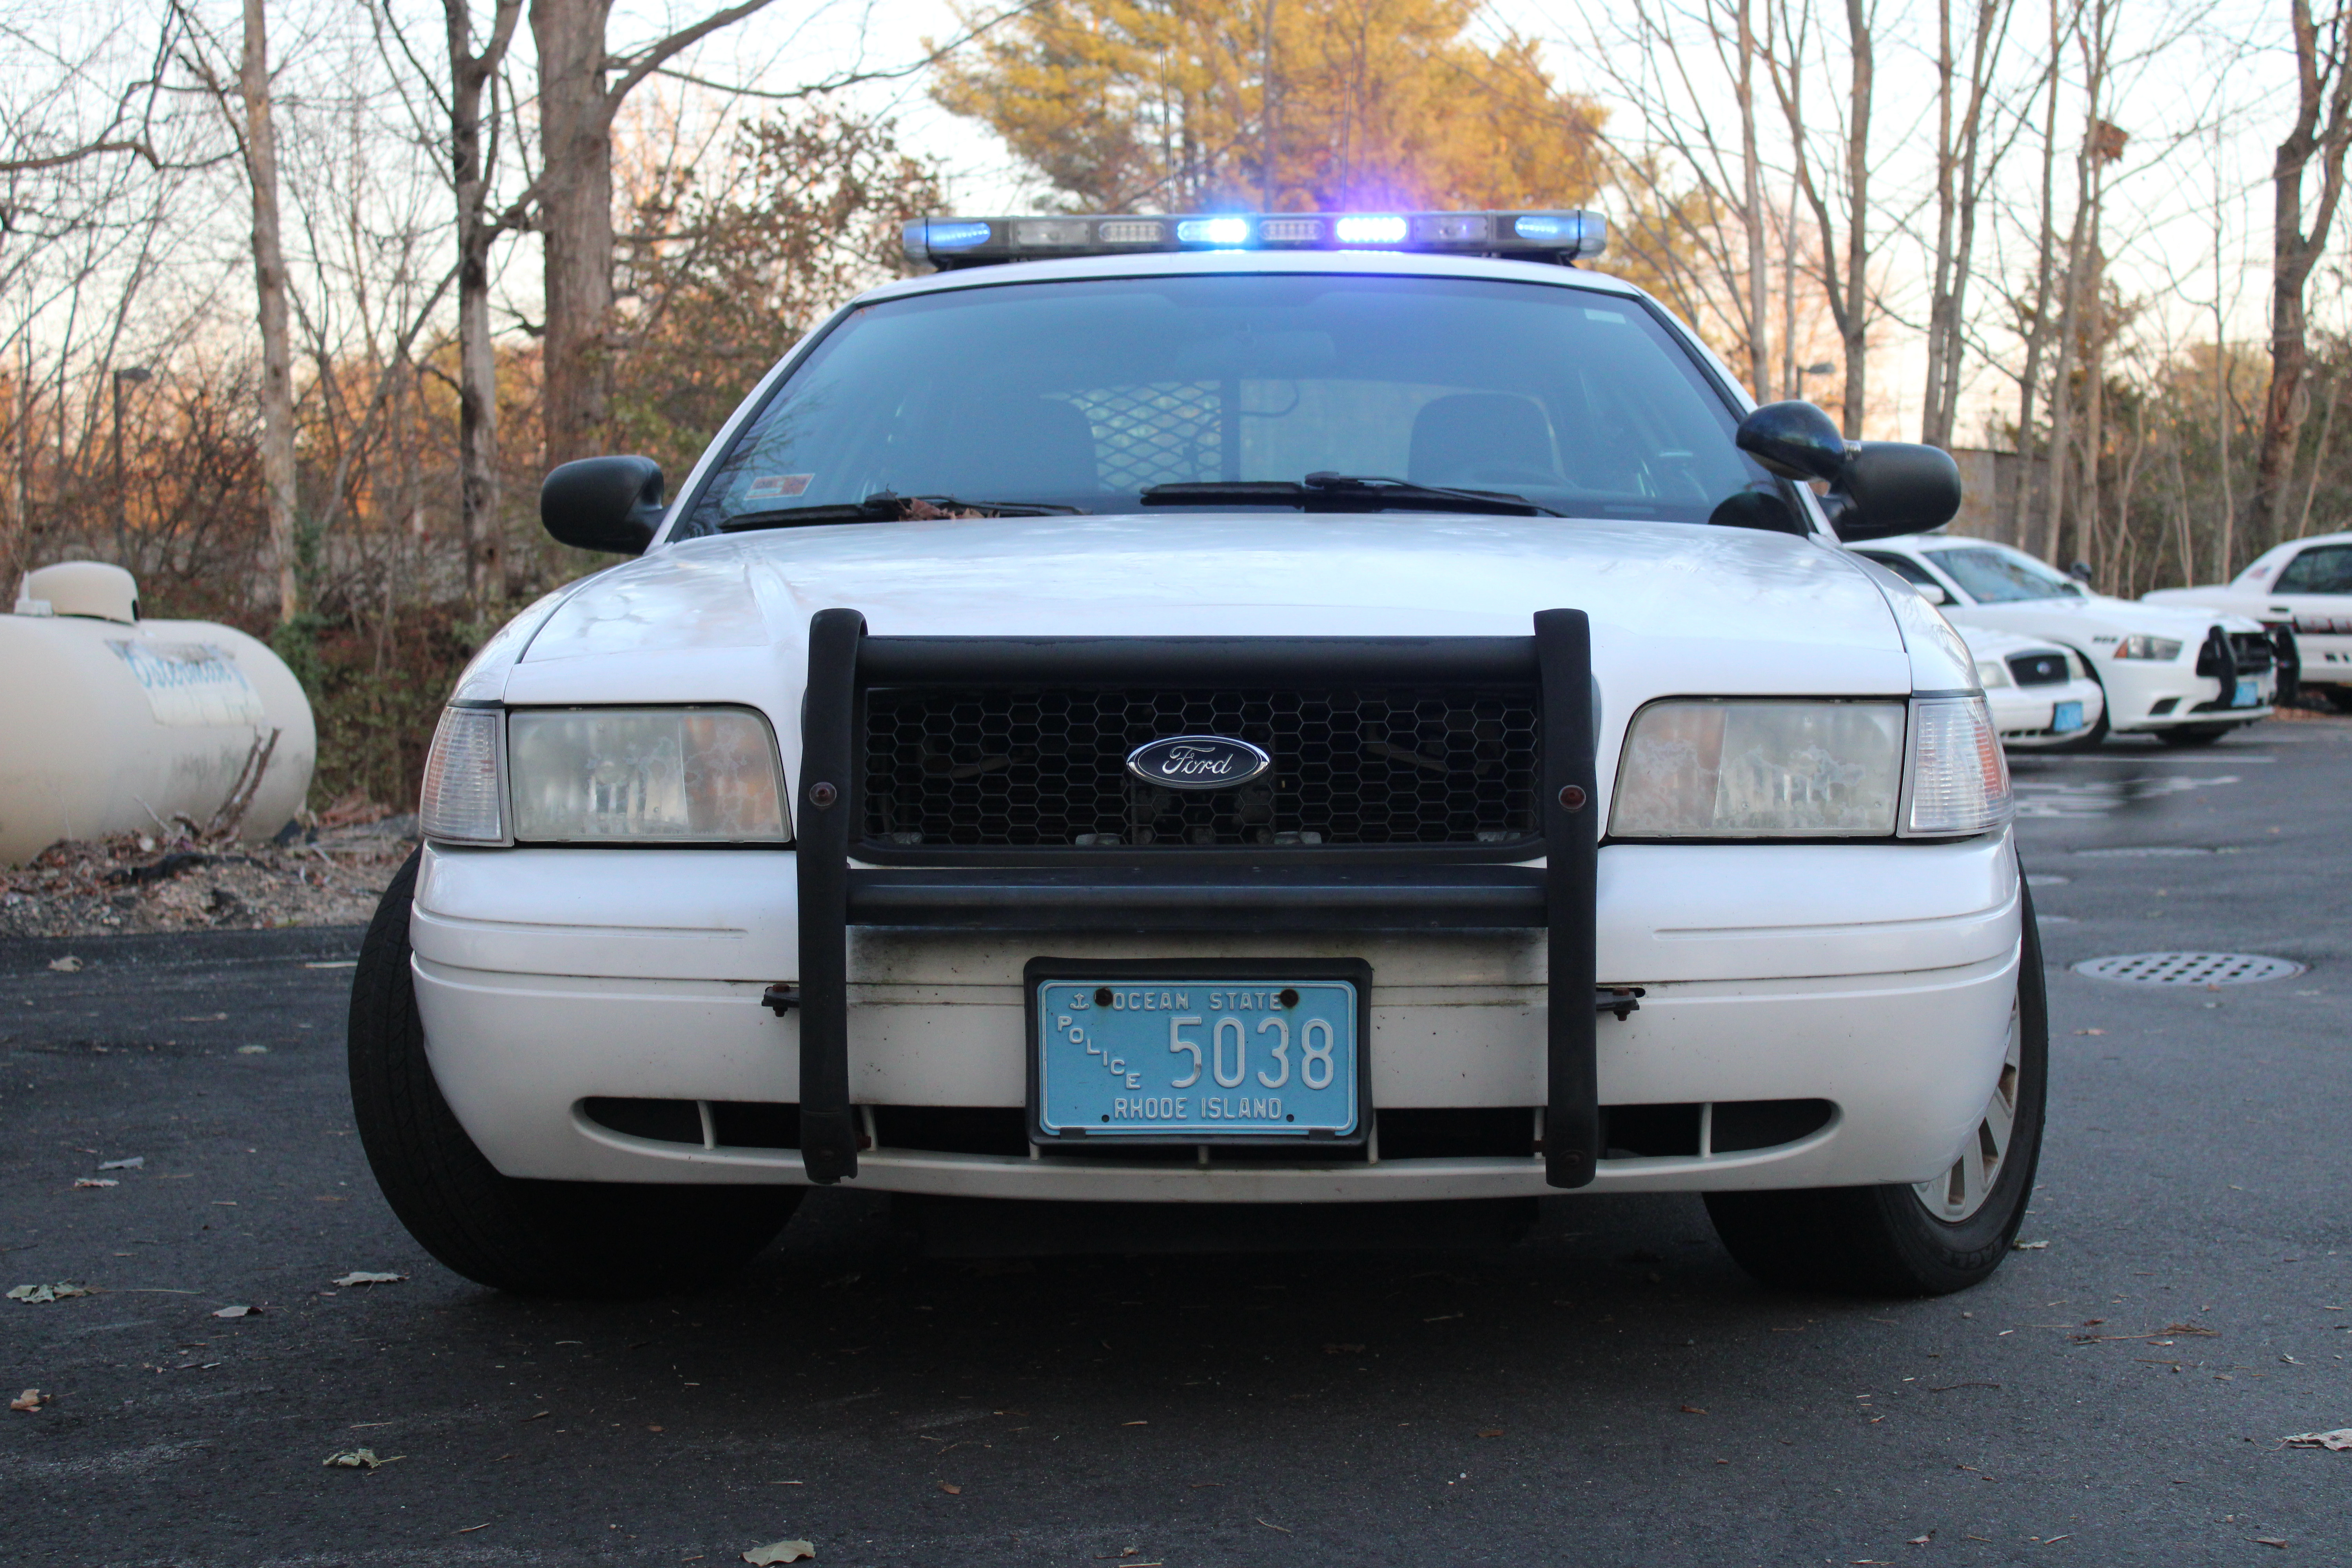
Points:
x=238, y=1313
x=2339, y=1441
x=780, y=1551
x=33, y=1295
x=2199, y=1329
x=1343, y=1350
x=31, y=1399
x=1492, y=1432
x=2268, y=1541
x=2029, y=1247
x=358, y=1460
x=136, y=1163
x=1920, y=1539
x=362, y=1277
x=65, y=966
x=253, y=1050
x=1693, y=1410
x=950, y=1488
x=96, y=1182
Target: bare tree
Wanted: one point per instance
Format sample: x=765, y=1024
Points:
x=472, y=76
x=1964, y=171
x=1845, y=281
x=576, y=106
x=259, y=142
x=2322, y=131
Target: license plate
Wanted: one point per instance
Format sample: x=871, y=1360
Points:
x=1199, y=1057
x=2065, y=716
x=2250, y=694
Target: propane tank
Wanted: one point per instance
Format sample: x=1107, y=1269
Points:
x=113, y=723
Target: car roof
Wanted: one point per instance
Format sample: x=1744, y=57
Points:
x=1245, y=263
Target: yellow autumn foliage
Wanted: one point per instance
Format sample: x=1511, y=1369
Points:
x=1277, y=105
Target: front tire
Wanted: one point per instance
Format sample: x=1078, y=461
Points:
x=547, y=1238
x=1930, y=1239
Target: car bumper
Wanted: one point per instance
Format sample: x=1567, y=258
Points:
x=2026, y=715
x=1876, y=977
x=2144, y=696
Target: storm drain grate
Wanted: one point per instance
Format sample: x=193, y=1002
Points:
x=2188, y=968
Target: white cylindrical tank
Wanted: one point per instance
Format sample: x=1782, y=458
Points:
x=109, y=723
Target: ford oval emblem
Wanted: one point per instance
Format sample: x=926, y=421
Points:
x=1197, y=761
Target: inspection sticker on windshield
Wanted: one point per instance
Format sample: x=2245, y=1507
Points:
x=1197, y=1058
x=777, y=486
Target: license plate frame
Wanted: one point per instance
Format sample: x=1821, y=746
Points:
x=1196, y=972
x=2065, y=718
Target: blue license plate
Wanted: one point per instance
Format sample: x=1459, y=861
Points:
x=2065, y=716
x=2250, y=694
x=1204, y=1058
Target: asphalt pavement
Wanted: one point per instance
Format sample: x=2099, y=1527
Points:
x=1611, y=1391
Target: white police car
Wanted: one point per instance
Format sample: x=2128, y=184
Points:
x=2041, y=695
x=2302, y=588
x=2187, y=677
x=1308, y=727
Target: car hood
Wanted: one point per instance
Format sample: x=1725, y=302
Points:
x=1674, y=607
x=2072, y=620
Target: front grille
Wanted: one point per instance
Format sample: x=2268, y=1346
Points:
x=1046, y=768
x=2038, y=669
x=2249, y=651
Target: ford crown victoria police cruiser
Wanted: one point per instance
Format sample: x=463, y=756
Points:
x=2304, y=589
x=1264, y=714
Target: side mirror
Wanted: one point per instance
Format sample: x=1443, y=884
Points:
x=1933, y=593
x=1893, y=487
x=1794, y=441
x=1877, y=488
x=603, y=503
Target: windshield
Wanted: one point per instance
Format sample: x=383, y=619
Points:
x=1085, y=394
x=1993, y=575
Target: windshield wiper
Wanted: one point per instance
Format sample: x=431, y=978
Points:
x=1325, y=491
x=887, y=506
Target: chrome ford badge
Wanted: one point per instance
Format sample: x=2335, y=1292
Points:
x=1197, y=761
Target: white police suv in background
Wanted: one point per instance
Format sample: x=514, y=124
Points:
x=2305, y=588
x=2187, y=676
x=2041, y=695
x=1346, y=722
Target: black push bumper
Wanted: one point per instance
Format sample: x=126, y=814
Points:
x=1315, y=890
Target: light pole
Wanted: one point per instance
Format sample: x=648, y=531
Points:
x=1804, y=370
x=130, y=372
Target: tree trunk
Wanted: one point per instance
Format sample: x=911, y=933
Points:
x=478, y=369
x=270, y=287
x=1958, y=192
x=575, y=125
x=1751, y=214
x=1854, y=321
x=2324, y=87
x=2038, y=337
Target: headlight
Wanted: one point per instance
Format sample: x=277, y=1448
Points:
x=461, y=798
x=1991, y=672
x=1733, y=769
x=603, y=775
x=1959, y=779
x=2141, y=646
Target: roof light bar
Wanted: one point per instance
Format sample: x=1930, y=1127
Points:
x=1562, y=237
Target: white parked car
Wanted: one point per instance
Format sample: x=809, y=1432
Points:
x=2305, y=588
x=2187, y=676
x=1244, y=720
x=2041, y=695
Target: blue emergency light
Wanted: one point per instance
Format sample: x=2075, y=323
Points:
x=950, y=242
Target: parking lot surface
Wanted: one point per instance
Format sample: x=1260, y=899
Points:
x=1611, y=1391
